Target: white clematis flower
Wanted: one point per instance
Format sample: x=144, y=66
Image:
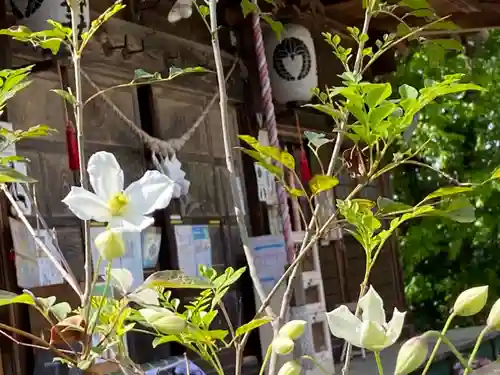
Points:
x=124, y=210
x=371, y=331
x=173, y=169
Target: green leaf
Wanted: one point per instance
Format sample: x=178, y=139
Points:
x=271, y=168
x=449, y=44
x=386, y=206
x=287, y=160
x=175, y=279
x=316, y=139
x=60, y=310
x=408, y=92
x=276, y=26
x=380, y=113
x=327, y=109
x=65, y=95
x=165, y=339
x=8, y=298
x=376, y=93
x=53, y=44
x=204, y=11
x=295, y=192
x=459, y=210
x=247, y=7
x=415, y=4
x=496, y=174
x=250, y=326
x=321, y=183
x=121, y=279
x=8, y=175
x=6, y=160
x=446, y=191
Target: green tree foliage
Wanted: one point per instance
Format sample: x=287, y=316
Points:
x=440, y=257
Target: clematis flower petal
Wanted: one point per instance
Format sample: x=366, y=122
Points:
x=373, y=307
x=152, y=192
x=395, y=326
x=372, y=335
x=105, y=174
x=86, y=205
x=344, y=325
x=130, y=222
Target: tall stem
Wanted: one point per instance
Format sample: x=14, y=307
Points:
x=236, y=193
x=476, y=349
x=379, y=363
x=438, y=342
x=78, y=109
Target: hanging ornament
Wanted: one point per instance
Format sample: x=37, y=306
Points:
x=72, y=145
x=182, y=9
x=172, y=168
x=305, y=171
x=292, y=64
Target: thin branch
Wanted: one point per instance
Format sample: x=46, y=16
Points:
x=51, y=232
x=443, y=174
x=226, y=135
x=78, y=111
x=71, y=281
x=34, y=338
x=165, y=148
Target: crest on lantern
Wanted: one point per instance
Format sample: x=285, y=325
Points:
x=34, y=13
x=292, y=64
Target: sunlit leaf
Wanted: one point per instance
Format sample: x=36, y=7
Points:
x=449, y=190
x=165, y=339
x=273, y=169
x=8, y=175
x=321, y=183
x=175, y=279
x=8, y=298
x=295, y=192
x=376, y=93
x=247, y=7
x=287, y=160
x=327, y=109
x=276, y=26
x=408, y=92
x=250, y=326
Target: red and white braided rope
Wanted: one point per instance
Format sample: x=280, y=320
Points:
x=270, y=122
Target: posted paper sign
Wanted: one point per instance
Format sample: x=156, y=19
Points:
x=270, y=258
x=193, y=248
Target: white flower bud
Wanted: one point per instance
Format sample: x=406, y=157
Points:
x=282, y=345
x=110, y=244
x=471, y=301
x=164, y=320
x=411, y=356
x=290, y=368
x=293, y=330
x=493, y=320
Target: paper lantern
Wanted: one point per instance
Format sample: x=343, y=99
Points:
x=292, y=64
x=35, y=13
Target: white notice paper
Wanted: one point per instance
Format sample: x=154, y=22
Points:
x=25, y=255
x=270, y=258
x=193, y=248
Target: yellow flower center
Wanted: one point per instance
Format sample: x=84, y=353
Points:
x=117, y=204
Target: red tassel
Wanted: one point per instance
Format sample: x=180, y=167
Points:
x=305, y=172
x=12, y=256
x=71, y=142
